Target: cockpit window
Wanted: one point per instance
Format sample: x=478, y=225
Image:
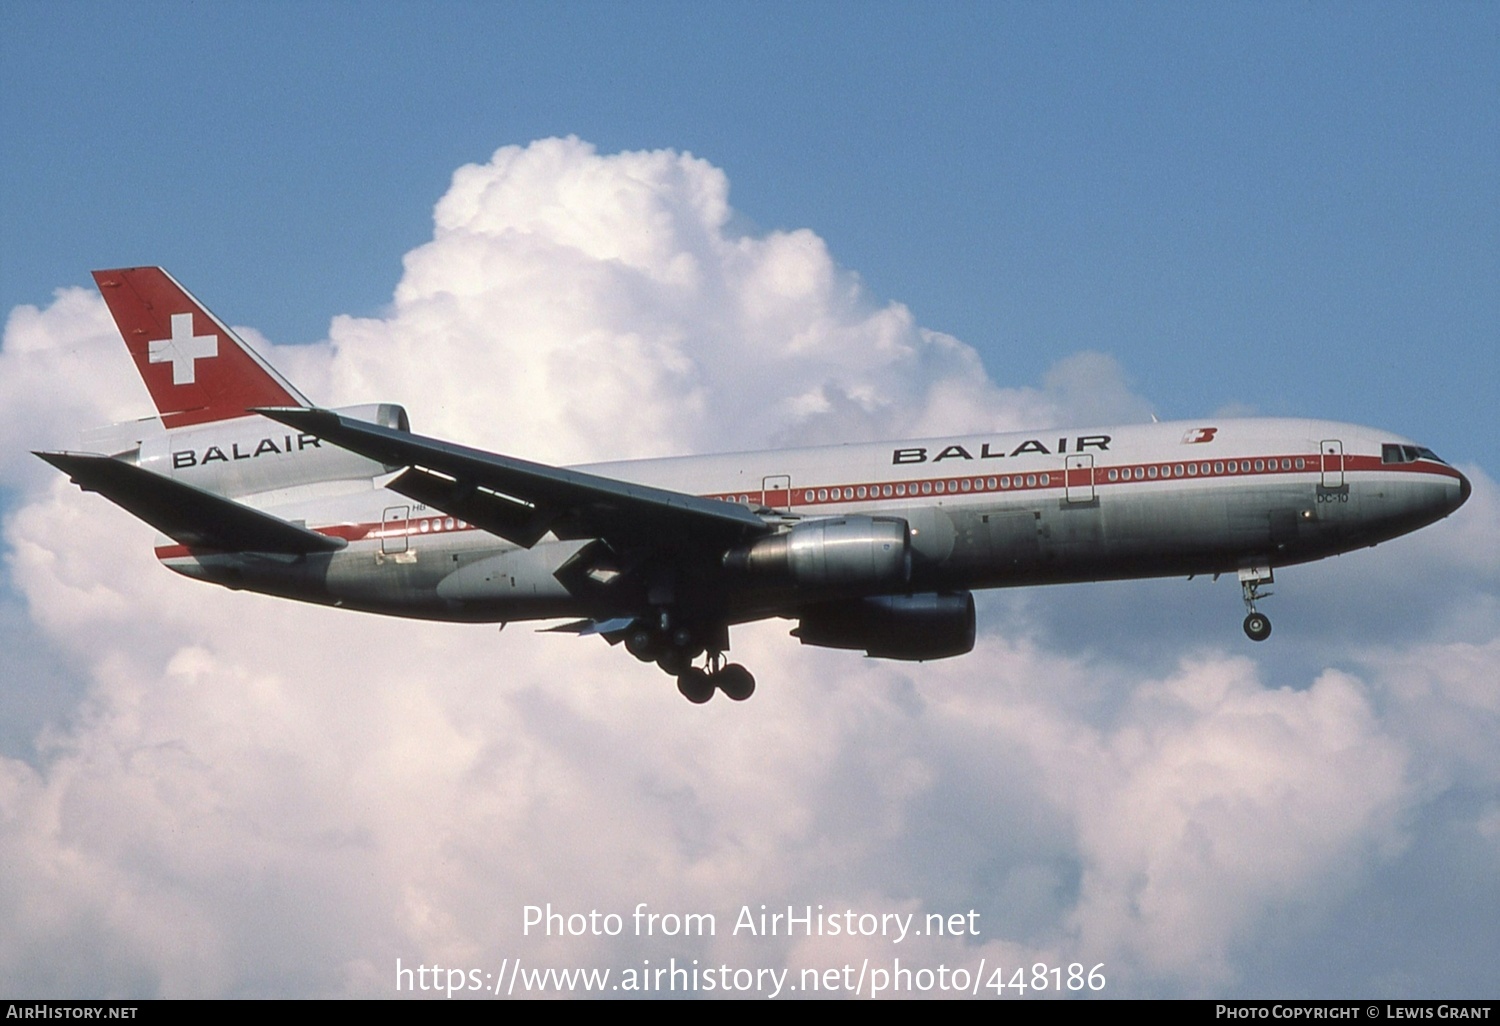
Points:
x=1392, y=453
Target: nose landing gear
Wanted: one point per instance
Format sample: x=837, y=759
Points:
x=1257, y=624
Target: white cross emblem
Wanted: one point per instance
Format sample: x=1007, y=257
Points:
x=183, y=348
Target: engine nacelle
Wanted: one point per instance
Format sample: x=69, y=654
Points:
x=855, y=552
x=389, y=415
x=913, y=627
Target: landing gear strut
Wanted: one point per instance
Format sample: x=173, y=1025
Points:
x=1257, y=624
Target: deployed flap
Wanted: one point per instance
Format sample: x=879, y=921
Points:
x=522, y=501
x=583, y=628
x=511, y=519
x=192, y=516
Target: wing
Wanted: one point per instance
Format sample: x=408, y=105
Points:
x=522, y=501
x=192, y=516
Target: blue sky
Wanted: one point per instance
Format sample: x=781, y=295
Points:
x=1289, y=207
x=1114, y=209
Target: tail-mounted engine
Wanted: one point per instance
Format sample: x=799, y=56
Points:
x=838, y=553
x=914, y=627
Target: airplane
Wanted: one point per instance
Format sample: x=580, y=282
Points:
x=873, y=547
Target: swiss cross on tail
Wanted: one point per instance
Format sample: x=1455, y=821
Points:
x=182, y=349
x=195, y=368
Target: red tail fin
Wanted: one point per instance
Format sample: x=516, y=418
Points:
x=196, y=369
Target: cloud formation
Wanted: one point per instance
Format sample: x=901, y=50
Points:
x=252, y=797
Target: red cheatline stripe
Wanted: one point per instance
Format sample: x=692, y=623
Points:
x=821, y=495
x=358, y=532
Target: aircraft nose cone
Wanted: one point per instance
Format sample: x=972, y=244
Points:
x=1464, y=489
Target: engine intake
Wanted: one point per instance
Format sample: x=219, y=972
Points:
x=912, y=627
x=385, y=414
x=865, y=553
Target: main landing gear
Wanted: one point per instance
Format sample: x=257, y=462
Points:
x=675, y=650
x=1257, y=624
x=698, y=685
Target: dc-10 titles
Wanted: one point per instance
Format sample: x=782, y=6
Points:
x=918, y=453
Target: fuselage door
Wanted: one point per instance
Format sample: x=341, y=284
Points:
x=1079, y=478
x=777, y=491
x=393, y=529
x=1333, y=463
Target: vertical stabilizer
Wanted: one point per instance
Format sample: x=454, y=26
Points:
x=195, y=368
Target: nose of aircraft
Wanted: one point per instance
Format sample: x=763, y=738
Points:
x=1464, y=488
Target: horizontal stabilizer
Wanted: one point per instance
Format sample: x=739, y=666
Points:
x=191, y=516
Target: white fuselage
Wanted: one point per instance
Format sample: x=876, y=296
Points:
x=984, y=510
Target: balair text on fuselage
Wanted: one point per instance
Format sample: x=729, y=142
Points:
x=918, y=453
x=184, y=458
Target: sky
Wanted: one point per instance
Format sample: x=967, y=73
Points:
x=612, y=231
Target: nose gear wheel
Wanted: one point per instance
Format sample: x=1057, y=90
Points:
x=1257, y=624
